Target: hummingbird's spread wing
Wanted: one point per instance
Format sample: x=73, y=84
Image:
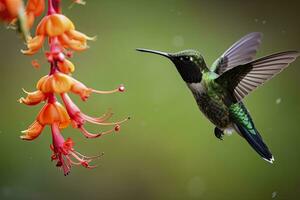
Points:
x=241, y=52
x=243, y=79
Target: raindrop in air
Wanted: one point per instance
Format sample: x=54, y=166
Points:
x=278, y=100
x=178, y=41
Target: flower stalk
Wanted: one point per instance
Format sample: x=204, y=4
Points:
x=62, y=38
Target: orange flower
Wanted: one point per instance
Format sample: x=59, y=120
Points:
x=55, y=83
x=65, y=154
x=74, y=40
x=84, y=92
x=81, y=90
x=9, y=9
x=33, y=98
x=34, y=8
x=54, y=113
x=57, y=25
x=54, y=25
x=61, y=83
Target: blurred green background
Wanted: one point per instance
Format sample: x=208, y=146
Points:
x=168, y=149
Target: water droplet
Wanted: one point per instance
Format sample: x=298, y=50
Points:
x=278, y=100
x=256, y=20
x=264, y=21
x=274, y=194
x=178, y=41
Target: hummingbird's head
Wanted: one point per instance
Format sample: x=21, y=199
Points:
x=189, y=63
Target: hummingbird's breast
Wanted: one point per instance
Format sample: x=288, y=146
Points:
x=211, y=103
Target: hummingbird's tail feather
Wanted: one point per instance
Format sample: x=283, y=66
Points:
x=244, y=125
x=256, y=142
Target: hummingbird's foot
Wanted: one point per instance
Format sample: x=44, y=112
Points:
x=219, y=133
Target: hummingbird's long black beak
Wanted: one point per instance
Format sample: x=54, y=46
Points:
x=155, y=52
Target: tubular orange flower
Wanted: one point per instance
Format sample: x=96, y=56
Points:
x=58, y=25
x=54, y=25
x=55, y=83
x=64, y=153
x=84, y=92
x=54, y=113
x=9, y=9
x=62, y=83
x=13, y=13
x=34, y=8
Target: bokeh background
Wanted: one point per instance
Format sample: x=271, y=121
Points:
x=168, y=149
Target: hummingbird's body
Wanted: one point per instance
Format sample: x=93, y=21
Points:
x=211, y=100
x=220, y=89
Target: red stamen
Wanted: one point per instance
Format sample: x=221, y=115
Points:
x=93, y=135
x=95, y=121
x=105, y=116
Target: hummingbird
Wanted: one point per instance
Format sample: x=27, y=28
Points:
x=219, y=90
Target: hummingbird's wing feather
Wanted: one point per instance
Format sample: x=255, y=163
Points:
x=244, y=125
x=241, y=52
x=243, y=79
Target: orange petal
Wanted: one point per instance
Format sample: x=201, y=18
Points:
x=54, y=113
x=76, y=35
x=54, y=25
x=69, y=43
x=33, y=98
x=55, y=83
x=29, y=19
x=9, y=9
x=35, y=7
x=40, y=29
x=34, y=45
x=66, y=66
x=34, y=130
x=80, y=89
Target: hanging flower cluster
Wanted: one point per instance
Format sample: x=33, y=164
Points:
x=62, y=38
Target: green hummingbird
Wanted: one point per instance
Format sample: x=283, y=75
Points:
x=220, y=89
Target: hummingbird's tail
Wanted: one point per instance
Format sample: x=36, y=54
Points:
x=244, y=125
x=256, y=142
